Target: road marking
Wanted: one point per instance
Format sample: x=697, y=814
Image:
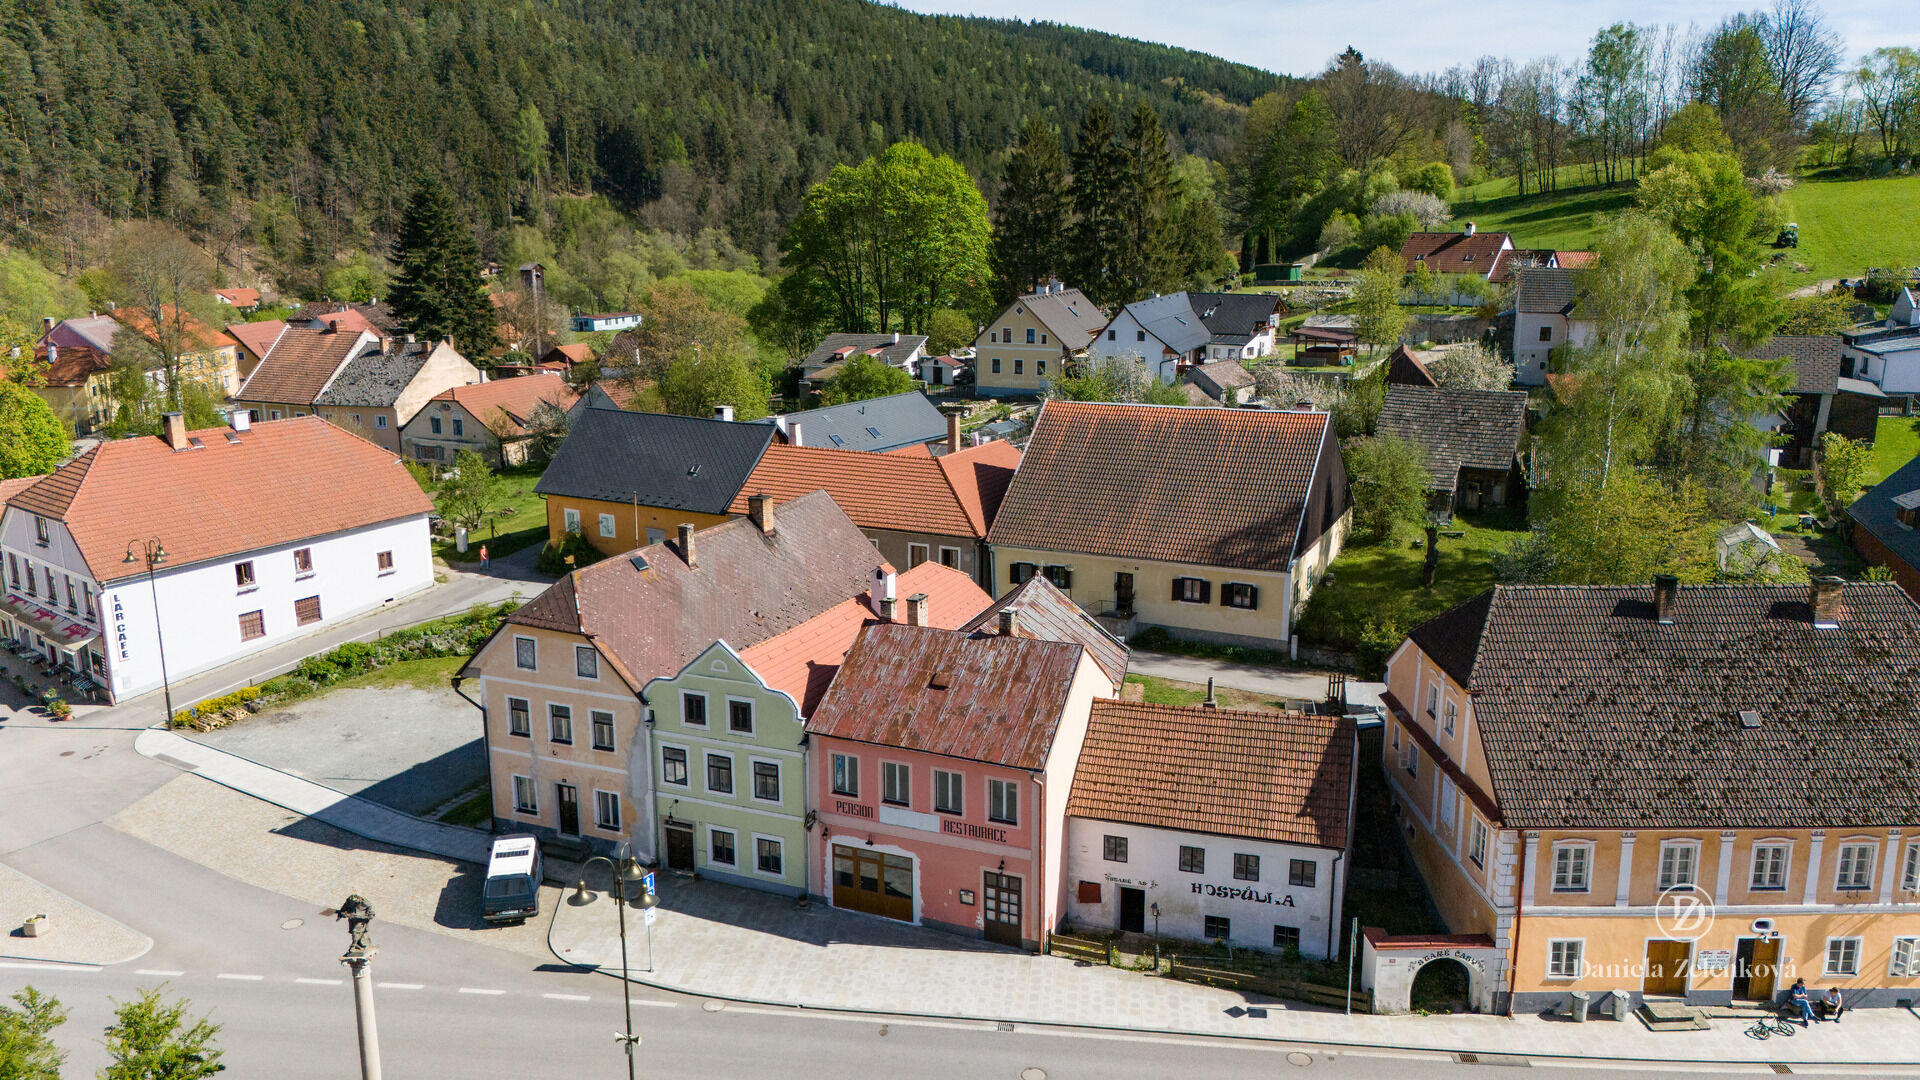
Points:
x=400, y=986
x=319, y=982
x=30, y=966
x=155, y=971
x=567, y=997
x=243, y=978
x=477, y=990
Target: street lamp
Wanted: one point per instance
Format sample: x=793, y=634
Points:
x=626, y=871
x=154, y=553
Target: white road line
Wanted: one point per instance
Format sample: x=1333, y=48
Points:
x=242, y=978
x=30, y=966
x=401, y=986
x=567, y=997
x=155, y=971
x=477, y=990
x=319, y=982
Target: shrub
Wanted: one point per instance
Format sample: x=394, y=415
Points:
x=354, y=655
x=1427, y=210
x=1340, y=232
x=553, y=560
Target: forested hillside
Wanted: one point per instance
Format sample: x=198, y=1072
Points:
x=302, y=122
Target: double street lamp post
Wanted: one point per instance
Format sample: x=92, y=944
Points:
x=626, y=871
x=153, y=553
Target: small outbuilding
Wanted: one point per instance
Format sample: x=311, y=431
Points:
x=1471, y=438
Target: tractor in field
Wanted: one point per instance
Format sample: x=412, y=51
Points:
x=1789, y=236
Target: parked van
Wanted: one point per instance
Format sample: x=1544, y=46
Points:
x=512, y=891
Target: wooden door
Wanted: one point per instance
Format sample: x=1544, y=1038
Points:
x=874, y=882
x=1123, y=592
x=569, y=809
x=1667, y=968
x=1003, y=908
x=1763, y=973
x=679, y=847
x=1133, y=910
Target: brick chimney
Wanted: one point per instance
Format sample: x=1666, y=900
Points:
x=686, y=545
x=1007, y=622
x=917, y=610
x=760, y=512
x=173, y=428
x=953, y=431
x=1666, y=598
x=1824, y=598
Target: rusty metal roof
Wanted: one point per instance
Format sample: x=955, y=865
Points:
x=979, y=697
x=1044, y=613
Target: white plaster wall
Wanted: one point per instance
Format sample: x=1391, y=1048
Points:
x=1126, y=330
x=1063, y=759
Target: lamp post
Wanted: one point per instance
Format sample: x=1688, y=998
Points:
x=358, y=958
x=153, y=553
x=627, y=870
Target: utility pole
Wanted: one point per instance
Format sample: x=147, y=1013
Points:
x=359, y=958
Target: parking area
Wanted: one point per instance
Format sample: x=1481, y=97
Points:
x=409, y=747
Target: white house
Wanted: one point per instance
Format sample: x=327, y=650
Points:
x=616, y=320
x=1546, y=317
x=269, y=532
x=1197, y=823
x=1887, y=355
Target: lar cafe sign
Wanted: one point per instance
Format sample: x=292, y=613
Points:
x=1255, y=896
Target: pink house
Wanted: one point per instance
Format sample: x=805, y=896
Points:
x=942, y=763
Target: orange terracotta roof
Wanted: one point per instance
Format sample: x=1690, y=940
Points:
x=577, y=353
x=979, y=475
x=10, y=488
x=300, y=365
x=258, y=337
x=918, y=449
x=1573, y=260
x=346, y=321
x=239, y=297
x=198, y=334
x=256, y=490
x=517, y=397
x=878, y=491
x=1281, y=777
x=802, y=661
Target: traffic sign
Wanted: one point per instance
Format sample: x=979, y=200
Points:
x=647, y=884
x=651, y=912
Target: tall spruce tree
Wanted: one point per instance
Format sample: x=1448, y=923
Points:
x=437, y=289
x=1099, y=176
x=1036, y=212
x=1145, y=258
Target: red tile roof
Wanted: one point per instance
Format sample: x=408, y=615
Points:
x=196, y=334
x=883, y=491
x=300, y=365
x=224, y=496
x=980, y=475
x=1280, y=777
x=1573, y=260
x=239, y=297
x=1212, y=487
x=18, y=484
x=258, y=337
x=802, y=661
x=517, y=397
x=978, y=697
x=918, y=449
x=73, y=365
x=1455, y=252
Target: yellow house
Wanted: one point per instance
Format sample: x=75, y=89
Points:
x=208, y=356
x=78, y=386
x=623, y=480
x=1700, y=794
x=1033, y=339
x=1211, y=523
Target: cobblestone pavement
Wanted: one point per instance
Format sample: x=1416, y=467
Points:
x=73, y=933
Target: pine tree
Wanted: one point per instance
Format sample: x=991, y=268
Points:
x=1099, y=173
x=437, y=290
x=1036, y=212
x=1144, y=261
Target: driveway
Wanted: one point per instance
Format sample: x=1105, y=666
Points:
x=409, y=748
x=1279, y=682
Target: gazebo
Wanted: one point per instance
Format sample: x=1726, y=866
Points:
x=1320, y=345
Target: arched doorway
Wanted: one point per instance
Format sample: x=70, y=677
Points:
x=1442, y=985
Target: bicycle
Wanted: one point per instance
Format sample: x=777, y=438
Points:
x=1768, y=1026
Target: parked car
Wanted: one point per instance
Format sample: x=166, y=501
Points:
x=512, y=892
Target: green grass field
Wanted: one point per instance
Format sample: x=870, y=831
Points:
x=1847, y=226
x=1563, y=220
x=1896, y=441
x=522, y=523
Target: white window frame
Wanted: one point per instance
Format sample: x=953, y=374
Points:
x=1477, y=842
x=1448, y=799
x=1785, y=848
x=843, y=765
x=1903, y=960
x=735, y=835
x=955, y=564
x=917, y=554
x=1011, y=788
x=553, y=728
x=379, y=421
x=599, y=820
x=584, y=652
x=957, y=783
x=706, y=713
x=1670, y=863
x=1433, y=700
x=1852, y=967
x=593, y=730
x=1861, y=851
x=776, y=841
x=752, y=724
x=1449, y=715
x=1585, y=860
x=906, y=775
x=525, y=710
x=753, y=781
x=530, y=806
x=570, y=520
x=534, y=644
x=1910, y=873
x=1565, y=957
x=608, y=527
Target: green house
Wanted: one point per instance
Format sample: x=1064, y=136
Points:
x=730, y=777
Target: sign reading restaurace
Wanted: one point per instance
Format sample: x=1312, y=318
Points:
x=1228, y=892
x=978, y=832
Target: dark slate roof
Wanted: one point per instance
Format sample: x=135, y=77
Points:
x=672, y=462
x=895, y=353
x=1171, y=319
x=1873, y=511
x=1592, y=714
x=1471, y=429
x=1233, y=318
x=1074, y=319
x=896, y=421
x=1816, y=360
x=376, y=378
x=1544, y=290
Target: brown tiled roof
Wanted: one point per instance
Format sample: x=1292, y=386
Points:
x=73, y=365
x=226, y=496
x=378, y=315
x=878, y=491
x=1593, y=714
x=744, y=588
x=1516, y=259
x=1221, y=376
x=1405, y=369
x=1044, y=613
x=1815, y=357
x=1454, y=252
x=1280, y=777
x=195, y=334
x=1458, y=429
x=300, y=365
x=517, y=398
x=802, y=661
x=258, y=337
x=1214, y=487
x=978, y=697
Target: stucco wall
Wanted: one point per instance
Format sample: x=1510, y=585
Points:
x=667, y=522
x=992, y=343
x=1092, y=587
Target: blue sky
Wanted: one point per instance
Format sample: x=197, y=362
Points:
x=1297, y=37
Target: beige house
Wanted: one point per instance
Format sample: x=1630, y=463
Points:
x=1214, y=524
x=376, y=392
x=1034, y=339
x=490, y=418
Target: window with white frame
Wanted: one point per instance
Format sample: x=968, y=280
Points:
x=894, y=783
x=1405, y=746
x=570, y=520
x=560, y=723
x=525, y=654
x=1450, y=715
x=1563, y=958
x=602, y=729
x=1910, y=876
x=916, y=554
x=606, y=810
x=740, y=717
x=693, y=710
x=1906, y=958
x=1571, y=866
x=586, y=661
x=846, y=775
x=1843, y=956
x=1477, y=843
x=1433, y=700
x=1769, y=867
x=720, y=846
x=523, y=799
x=517, y=718
x=1447, y=801
x=1855, y=873
x=607, y=527
x=948, y=792
x=1003, y=802
x=1679, y=862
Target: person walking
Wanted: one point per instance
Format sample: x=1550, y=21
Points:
x=1801, y=1003
x=483, y=556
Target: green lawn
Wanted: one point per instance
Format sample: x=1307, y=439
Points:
x=1158, y=691
x=1847, y=226
x=1563, y=220
x=432, y=673
x=1895, y=442
x=521, y=523
x=475, y=810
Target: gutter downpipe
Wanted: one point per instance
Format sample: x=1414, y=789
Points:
x=486, y=742
x=1513, y=964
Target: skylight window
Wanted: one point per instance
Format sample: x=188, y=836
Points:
x=837, y=440
x=873, y=431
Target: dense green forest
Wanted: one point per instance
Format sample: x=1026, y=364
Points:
x=297, y=126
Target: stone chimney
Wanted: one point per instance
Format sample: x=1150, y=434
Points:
x=1666, y=598
x=953, y=431
x=793, y=434
x=686, y=546
x=1211, y=702
x=46, y=324
x=240, y=419
x=173, y=428
x=880, y=591
x=760, y=512
x=723, y=412
x=1008, y=622
x=1824, y=598
x=917, y=610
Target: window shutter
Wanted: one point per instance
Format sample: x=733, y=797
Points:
x=1206, y=591
x=1179, y=591
x=1226, y=596
x=1253, y=597
x=1089, y=892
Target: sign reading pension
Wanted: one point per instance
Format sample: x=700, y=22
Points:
x=1254, y=896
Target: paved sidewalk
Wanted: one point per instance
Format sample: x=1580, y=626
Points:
x=73, y=932
x=724, y=942
x=347, y=813
x=1309, y=685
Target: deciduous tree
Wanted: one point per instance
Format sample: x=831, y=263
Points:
x=700, y=379
x=27, y=1051
x=1377, y=315
x=864, y=377
x=152, y=1040
x=164, y=277
x=32, y=439
x=1390, y=481
x=1844, y=465
x=468, y=491
x=1472, y=367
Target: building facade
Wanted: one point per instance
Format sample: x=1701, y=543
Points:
x=1032, y=339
